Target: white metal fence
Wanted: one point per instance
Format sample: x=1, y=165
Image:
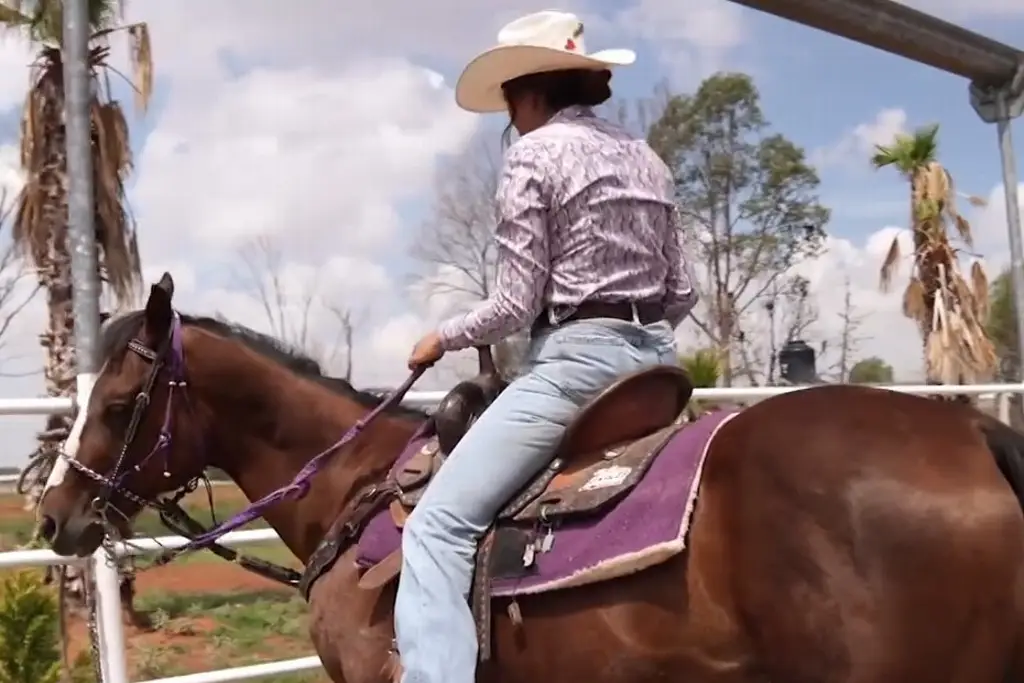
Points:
x=113, y=655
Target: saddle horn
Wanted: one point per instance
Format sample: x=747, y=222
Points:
x=486, y=360
x=460, y=408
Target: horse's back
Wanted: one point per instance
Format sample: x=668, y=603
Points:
x=868, y=535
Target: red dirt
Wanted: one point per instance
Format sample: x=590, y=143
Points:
x=12, y=506
x=204, y=577
x=194, y=633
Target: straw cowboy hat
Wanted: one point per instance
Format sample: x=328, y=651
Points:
x=539, y=42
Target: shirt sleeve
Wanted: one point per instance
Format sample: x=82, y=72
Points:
x=680, y=296
x=523, y=254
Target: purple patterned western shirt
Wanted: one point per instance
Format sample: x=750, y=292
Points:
x=585, y=212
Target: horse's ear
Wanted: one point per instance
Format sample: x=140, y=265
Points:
x=159, y=311
x=166, y=283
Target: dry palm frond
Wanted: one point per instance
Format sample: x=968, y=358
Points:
x=42, y=211
x=889, y=265
x=142, y=64
x=914, y=305
x=974, y=200
x=981, y=289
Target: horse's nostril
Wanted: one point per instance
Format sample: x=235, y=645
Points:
x=47, y=528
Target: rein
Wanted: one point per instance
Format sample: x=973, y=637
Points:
x=170, y=357
x=299, y=487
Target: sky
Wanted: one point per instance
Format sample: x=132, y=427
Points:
x=325, y=134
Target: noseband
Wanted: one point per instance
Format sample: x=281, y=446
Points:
x=170, y=356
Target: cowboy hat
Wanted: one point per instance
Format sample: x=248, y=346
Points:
x=539, y=42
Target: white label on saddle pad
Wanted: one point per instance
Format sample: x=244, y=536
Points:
x=607, y=476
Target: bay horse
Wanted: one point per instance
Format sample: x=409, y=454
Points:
x=841, y=534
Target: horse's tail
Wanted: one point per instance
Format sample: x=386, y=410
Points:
x=1007, y=447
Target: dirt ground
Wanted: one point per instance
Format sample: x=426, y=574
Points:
x=205, y=577
x=192, y=637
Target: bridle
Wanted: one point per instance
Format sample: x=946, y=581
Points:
x=169, y=359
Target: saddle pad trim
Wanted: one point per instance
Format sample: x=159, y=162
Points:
x=649, y=557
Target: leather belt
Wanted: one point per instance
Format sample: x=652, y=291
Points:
x=647, y=312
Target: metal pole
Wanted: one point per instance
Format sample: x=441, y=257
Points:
x=1012, y=220
x=81, y=242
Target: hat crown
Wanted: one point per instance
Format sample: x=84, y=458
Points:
x=550, y=29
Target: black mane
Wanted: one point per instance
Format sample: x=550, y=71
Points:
x=118, y=331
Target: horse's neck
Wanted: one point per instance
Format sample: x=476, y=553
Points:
x=281, y=422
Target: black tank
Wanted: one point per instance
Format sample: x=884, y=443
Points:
x=797, y=363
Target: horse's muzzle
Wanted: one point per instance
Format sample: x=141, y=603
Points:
x=78, y=536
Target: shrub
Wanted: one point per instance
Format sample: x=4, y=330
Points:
x=29, y=630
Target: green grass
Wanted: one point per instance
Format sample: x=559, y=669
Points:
x=248, y=628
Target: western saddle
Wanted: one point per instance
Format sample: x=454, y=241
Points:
x=604, y=453
x=624, y=426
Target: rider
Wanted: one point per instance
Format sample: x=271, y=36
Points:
x=590, y=257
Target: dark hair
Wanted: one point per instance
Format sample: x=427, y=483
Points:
x=559, y=89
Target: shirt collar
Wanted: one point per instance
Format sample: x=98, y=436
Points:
x=576, y=111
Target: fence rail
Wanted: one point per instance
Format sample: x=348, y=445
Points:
x=109, y=600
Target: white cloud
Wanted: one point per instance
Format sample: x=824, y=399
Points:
x=300, y=153
x=694, y=38
x=11, y=177
x=990, y=226
x=15, y=56
x=883, y=331
x=856, y=145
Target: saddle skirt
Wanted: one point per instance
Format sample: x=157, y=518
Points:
x=615, y=512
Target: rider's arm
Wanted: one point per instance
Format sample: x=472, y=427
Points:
x=523, y=260
x=680, y=296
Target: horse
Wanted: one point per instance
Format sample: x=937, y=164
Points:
x=838, y=534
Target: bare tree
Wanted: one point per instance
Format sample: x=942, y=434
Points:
x=456, y=243
x=347, y=324
x=456, y=247
x=849, y=337
x=295, y=309
x=17, y=291
x=789, y=313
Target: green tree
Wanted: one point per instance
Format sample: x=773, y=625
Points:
x=949, y=311
x=1002, y=328
x=748, y=196
x=871, y=370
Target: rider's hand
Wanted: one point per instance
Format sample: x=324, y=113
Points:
x=427, y=351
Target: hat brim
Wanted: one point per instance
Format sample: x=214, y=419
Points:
x=479, y=87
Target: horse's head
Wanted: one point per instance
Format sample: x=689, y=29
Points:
x=117, y=459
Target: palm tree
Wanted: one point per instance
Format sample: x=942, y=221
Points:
x=949, y=310
x=41, y=217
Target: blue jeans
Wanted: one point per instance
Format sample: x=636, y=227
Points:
x=507, y=446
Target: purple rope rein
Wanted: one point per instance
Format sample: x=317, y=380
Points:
x=300, y=485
